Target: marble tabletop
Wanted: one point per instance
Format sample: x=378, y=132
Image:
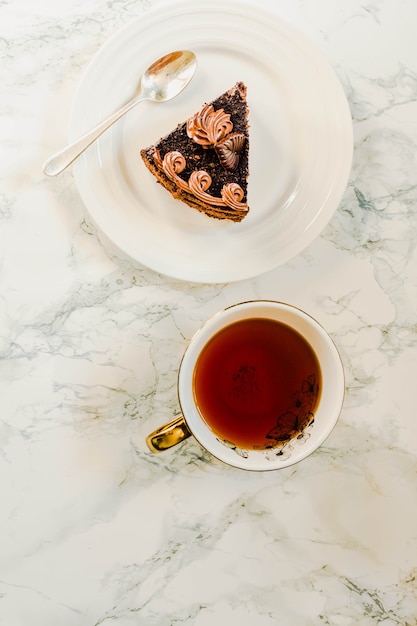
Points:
x=94, y=529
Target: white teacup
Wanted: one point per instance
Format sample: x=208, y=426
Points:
x=260, y=386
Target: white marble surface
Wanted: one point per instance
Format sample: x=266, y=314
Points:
x=93, y=528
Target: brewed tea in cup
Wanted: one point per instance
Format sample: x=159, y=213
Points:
x=260, y=386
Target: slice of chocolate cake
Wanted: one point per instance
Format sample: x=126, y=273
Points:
x=204, y=161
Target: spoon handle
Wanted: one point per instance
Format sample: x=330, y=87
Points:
x=62, y=159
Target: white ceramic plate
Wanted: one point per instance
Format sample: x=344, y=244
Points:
x=300, y=140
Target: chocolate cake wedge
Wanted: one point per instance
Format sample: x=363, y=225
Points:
x=204, y=161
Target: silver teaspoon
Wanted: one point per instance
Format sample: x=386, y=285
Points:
x=162, y=81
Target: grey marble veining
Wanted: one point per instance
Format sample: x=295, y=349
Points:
x=93, y=528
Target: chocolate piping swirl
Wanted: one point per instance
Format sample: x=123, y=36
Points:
x=213, y=129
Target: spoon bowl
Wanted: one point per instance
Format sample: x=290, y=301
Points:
x=167, y=77
x=164, y=79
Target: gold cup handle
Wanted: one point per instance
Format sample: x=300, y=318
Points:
x=168, y=435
